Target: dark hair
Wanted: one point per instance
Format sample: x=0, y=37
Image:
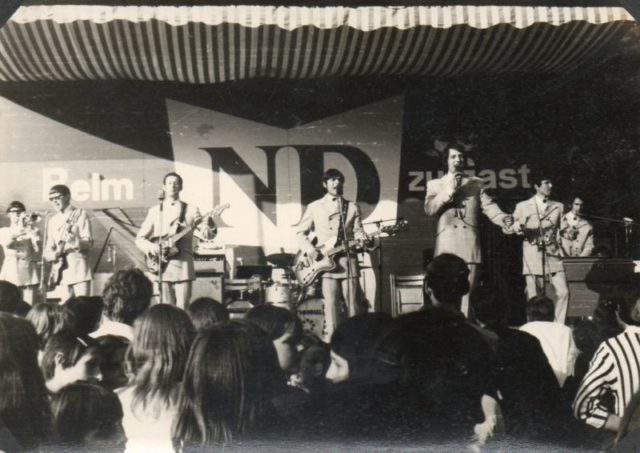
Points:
x=453, y=145
x=332, y=173
x=49, y=318
x=61, y=189
x=10, y=297
x=87, y=311
x=448, y=277
x=626, y=295
x=81, y=409
x=24, y=407
x=205, y=312
x=275, y=321
x=540, y=308
x=70, y=346
x=315, y=358
x=357, y=340
x=126, y=295
x=112, y=349
x=16, y=205
x=538, y=176
x=173, y=173
x=231, y=375
x=162, y=336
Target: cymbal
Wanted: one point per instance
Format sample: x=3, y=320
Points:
x=281, y=259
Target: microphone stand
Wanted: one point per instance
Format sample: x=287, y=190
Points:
x=160, y=257
x=543, y=249
x=346, y=244
x=43, y=284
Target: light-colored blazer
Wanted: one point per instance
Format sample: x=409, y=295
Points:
x=458, y=214
x=528, y=220
x=322, y=221
x=576, y=237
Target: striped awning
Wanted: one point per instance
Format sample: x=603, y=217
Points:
x=210, y=44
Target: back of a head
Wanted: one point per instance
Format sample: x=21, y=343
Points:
x=540, y=308
x=87, y=311
x=274, y=321
x=83, y=409
x=357, y=340
x=23, y=403
x=205, y=312
x=627, y=296
x=447, y=276
x=49, y=318
x=68, y=347
x=10, y=297
x=231, y=374
x=127, y=294
x=162, y=336
x=112, y=351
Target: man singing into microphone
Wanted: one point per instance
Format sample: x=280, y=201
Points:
x=456, y=200
x=178, y=271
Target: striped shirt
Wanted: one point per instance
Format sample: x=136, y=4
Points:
x=612, y=380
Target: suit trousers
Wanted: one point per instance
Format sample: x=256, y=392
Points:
x=559, y=283
x=334, y=292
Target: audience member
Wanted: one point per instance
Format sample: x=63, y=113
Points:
x=112, y=351
x=156, y=360
x=87, y=311
x=614, y=376
x=126, y=295
x=231, y=376
x=314, y=363
x=24, y=408
x=283, y=328
x=205, y=312
x=49, y=318
x=67, y=359
x=556, y=339
x=88, y=417
x=11, y=299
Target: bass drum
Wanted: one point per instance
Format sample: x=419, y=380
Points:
x=311, y=314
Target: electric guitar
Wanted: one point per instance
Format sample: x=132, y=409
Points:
x=307, y=269
x=168, y=242
x=59, y=264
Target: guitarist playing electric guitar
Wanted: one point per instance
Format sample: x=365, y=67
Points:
x=68, y=241
x=177, y=270
x=333, y=216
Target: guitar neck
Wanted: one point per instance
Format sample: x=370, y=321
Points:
x=341, y=248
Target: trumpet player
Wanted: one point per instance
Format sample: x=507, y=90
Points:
x=21, y=243
x=576, y=232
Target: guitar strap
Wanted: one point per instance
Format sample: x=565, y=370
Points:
x=343, y=215
x=183, y=212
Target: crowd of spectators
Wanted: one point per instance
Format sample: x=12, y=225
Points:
x=115, y=373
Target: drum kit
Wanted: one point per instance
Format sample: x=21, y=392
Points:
x=281, y=290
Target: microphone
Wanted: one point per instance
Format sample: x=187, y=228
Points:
x=161, y=194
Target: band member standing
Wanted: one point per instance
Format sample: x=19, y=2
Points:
x=68, y=242
x=21, y=243
x=327, y=218
x=457, y=200
x=176, y=215
x=538, y=220
x=576, y=232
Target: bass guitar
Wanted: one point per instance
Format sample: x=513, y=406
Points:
x=168, y=242
x=59, y=264
x=307, y=269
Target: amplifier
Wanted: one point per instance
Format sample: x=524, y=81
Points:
x=209, y=263
x=208, y=285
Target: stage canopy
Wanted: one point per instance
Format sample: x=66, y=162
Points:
x=211, y=44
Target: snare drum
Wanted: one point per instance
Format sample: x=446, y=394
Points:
x=278, y=294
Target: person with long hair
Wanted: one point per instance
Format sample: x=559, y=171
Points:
x=49, y=318
x=231, y=377
x=24, y=408
x=155, y=361
x=88, y=417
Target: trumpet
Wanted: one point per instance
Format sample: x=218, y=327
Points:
x=29, y=219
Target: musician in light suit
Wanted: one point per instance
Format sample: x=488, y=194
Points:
x=457, y=200
x=538, y=221
x=179, y=272
x=576, y=232
x=322, y=220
